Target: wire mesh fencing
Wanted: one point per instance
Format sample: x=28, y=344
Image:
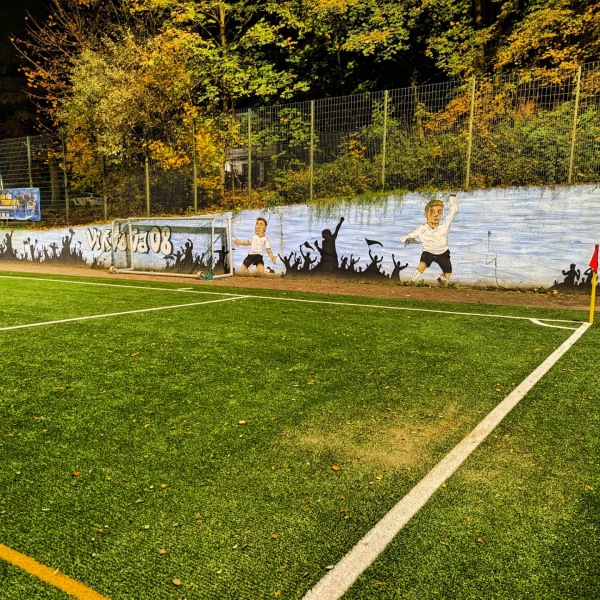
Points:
x=480, y=133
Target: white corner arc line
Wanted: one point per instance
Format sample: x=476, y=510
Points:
x=337, y=581
x=541, y=323
x=119, y=314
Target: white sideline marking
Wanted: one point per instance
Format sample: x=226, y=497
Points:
x=118, y=314
x=426, y=310
x=117, y=285
x=337, y=581
x=213, y=293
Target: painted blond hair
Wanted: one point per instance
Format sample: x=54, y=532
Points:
x=433, y=203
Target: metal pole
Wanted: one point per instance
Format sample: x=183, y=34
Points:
x=195, y=166
x=311, y=156
x=470, y=140
x=384, y=141
x=104, y=198
x=575, y=119
x=250, y=155
x=147, y=174
x=29, y=161
x=66, y=179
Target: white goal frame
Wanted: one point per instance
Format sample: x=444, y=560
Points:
x=125, y=231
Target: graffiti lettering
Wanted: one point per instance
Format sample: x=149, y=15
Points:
x=98, y=239
x=157, y=240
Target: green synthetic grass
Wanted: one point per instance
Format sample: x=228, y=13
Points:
x=254, y=441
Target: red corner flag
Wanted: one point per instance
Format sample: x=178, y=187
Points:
x=594, y=261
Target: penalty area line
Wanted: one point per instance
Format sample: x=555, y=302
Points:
x=119, y=314
x=48, y=575
x=339, y=580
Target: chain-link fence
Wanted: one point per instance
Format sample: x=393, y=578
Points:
x=462, y=134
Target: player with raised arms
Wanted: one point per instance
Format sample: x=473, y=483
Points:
x=258, y=243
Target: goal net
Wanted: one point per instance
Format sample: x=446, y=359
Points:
x=183, y=247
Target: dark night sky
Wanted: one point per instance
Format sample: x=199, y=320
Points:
x=13, y=122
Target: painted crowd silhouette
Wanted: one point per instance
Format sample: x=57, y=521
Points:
x=185, y=260
x=69, y=253
x=323, y=261
x=574, y=280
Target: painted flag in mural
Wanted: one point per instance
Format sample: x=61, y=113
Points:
x=594, y=261
x=373, y=242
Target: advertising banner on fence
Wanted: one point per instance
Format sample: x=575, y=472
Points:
x=20, y=204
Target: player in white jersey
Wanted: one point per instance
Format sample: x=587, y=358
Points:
x=434, y=237
x=258, y=243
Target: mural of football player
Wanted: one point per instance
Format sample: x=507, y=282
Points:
x=434, y=238
x=258, y=243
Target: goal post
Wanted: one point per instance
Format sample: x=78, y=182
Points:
x=197, y=246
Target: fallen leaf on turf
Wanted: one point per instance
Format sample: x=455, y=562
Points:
x=162, y=551
x=589, y=487
x=480, y=541
x=76, y=473
x=164, y=486
x=146, y=527
x=242, y=422
x=135, y=354
x=176, y=582
x=277, y=594
x=335, y=468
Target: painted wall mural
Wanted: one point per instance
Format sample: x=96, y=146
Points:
x=504, y=238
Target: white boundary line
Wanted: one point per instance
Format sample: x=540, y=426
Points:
x=337, y=581
x=214, y=293
x=118, y=314
x=426, y=310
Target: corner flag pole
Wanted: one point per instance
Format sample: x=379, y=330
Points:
x=594, y=267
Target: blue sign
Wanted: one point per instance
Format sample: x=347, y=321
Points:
x=20, y=204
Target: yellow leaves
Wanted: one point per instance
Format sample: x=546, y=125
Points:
x=356, y=149
x=168, y=157
x=335, y=468
x=162, y=551
x=177, y=582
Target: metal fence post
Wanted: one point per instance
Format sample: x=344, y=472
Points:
x=470, y=139
x=311, y=156
x=194, y=166
x=384, y=140
x=574, y=131
x=249, y=155
x=29, y=161
x=65, y=177
x=104, y=197
x=147, y=174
